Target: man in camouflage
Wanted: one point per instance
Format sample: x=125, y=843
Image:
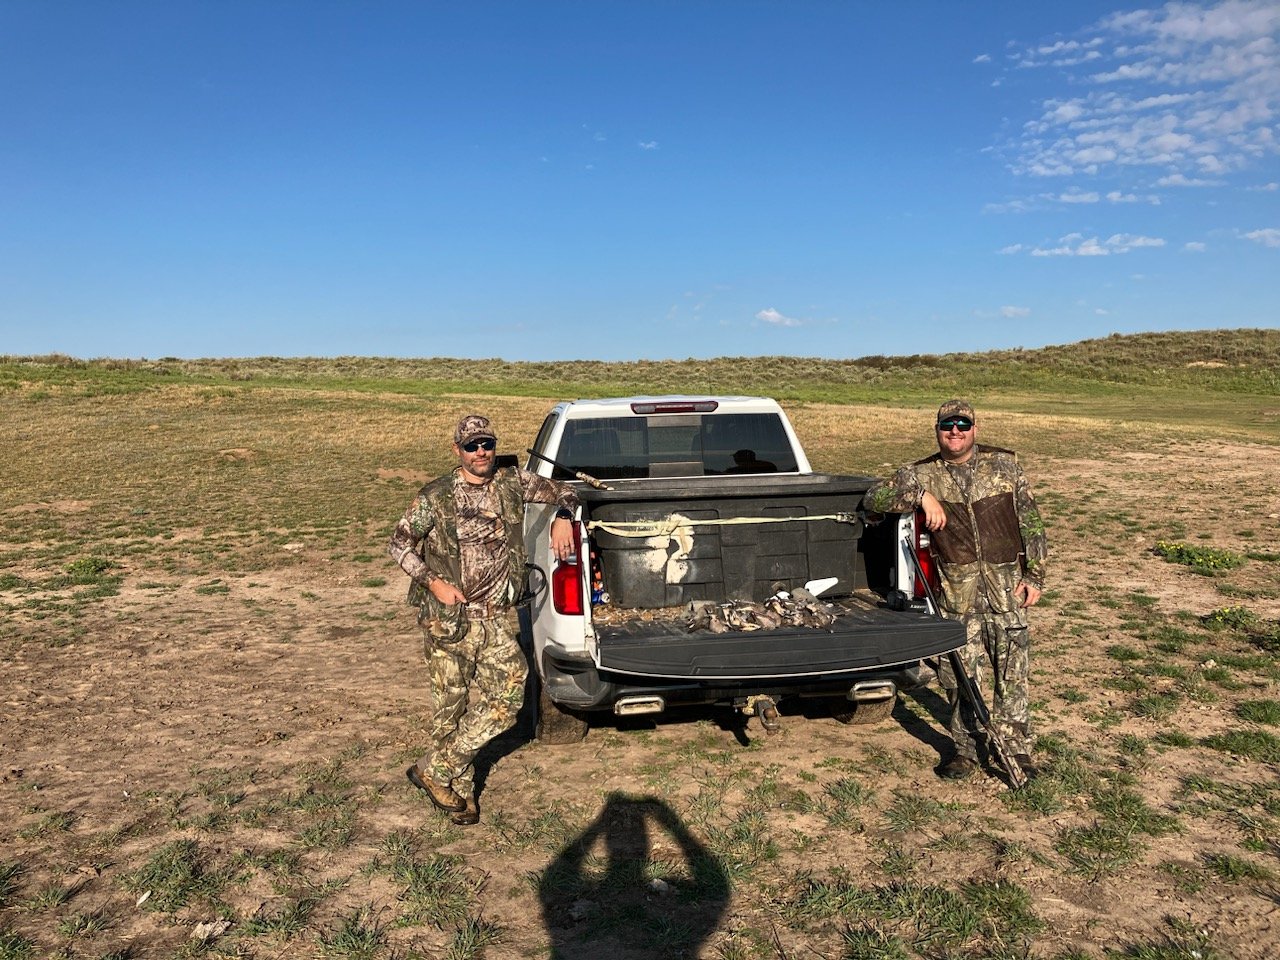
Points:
x=462, y=543
x=990, y=542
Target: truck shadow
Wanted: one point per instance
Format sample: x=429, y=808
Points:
x=606, y=894
x=933, y=735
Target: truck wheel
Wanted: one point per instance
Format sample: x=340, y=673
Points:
x=556, y=725
x=872, y=711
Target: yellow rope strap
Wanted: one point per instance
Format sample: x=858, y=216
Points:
x=660, y=528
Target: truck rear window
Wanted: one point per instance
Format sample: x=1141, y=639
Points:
x=676, y=445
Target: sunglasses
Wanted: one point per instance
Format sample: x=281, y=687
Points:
x=471, y=446
x=963, y=424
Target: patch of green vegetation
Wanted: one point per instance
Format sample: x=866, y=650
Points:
x=1259, y=711
x=82, y=924
x=14, y=946
x=1234, y=869
x=1254, y=744
x=439, y=891
x=969, y=921
x=472, y=937
x=50, y=823
x=743, y=844
x=1203, y=560
x=174, y=875
x=10, y=871
x=1099, y=849
x=844, y=797
x=286, y=921
x=910, y=811
x=1174, y=738
x=1157, y=706
x=1234, y=618
x=359, y=936
x=330, y=833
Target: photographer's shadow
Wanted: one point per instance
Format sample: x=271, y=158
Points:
x=622, y=899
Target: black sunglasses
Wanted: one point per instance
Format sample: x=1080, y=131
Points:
x=471, y=446
x=963, y=424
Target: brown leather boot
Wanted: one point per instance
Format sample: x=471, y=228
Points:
x=469, y=815
x=441, y=794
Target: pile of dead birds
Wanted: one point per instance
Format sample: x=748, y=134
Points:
x=794, y=608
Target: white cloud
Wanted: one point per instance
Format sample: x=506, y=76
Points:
x=1115, y=196
x=1078, y=196
x=982, y=58
x=772, y=316
x=648, y=144
x=1012, y=206
x=1269, y=237
x=1178, y=180
x=1011, y=249
x=1124, y=242
x=1194, y=246
x=1015, y=313
x=1187, y=88
x=1271, y=187
x=1075, y=245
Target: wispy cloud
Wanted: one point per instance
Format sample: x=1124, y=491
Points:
x=648, y=144
x=1265, y=187
x=1178, y=180
x=1195, y=246
x=1074, y=195
x=1076, y=245
x=1182, y=92
x=1269, y=237
x=1015, y=313
x=777, y=319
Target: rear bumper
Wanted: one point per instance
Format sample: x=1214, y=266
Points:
x=663, y=659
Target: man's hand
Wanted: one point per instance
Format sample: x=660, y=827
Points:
x=562, y=538
x=935, y=518
x=446, y=592
x=1029, y=593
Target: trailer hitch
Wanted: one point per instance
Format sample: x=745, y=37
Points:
x=766, y=712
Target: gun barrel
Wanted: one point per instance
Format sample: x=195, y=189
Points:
x=584, y=477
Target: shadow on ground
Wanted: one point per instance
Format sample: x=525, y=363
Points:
x=611, y=891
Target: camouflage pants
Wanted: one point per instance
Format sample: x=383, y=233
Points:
x=997, y=657
x=477, y=688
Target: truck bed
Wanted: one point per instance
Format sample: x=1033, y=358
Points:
x=865, y=636
x=740, y=561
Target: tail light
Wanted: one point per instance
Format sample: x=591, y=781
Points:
x=926, y=559
x=566, y=580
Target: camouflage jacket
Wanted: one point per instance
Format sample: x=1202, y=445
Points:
x=426, y=543
x=994, y=535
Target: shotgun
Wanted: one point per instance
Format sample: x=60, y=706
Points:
x=969, y=690
x=584, y=477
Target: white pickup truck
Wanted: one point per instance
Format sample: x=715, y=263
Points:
x=709, y=504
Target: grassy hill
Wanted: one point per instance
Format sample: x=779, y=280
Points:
x=1202, y=377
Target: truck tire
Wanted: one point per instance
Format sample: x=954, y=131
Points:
x=557, y=725
x=873, y=711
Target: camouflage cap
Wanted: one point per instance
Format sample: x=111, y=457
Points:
x=956, y=408
x=472, y=427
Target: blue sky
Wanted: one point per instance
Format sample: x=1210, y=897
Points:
x=609, y=180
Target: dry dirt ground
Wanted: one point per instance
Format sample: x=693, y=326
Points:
x=268, y=716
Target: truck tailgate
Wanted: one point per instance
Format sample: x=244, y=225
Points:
x=864, y=637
